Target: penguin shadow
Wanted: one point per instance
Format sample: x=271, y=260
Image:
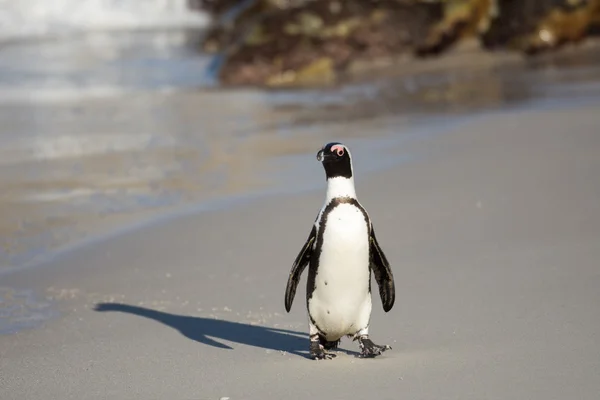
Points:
x=204, y=329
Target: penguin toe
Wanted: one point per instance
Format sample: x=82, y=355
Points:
x=326, y=356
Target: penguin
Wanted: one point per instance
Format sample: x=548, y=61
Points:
x=341, y=252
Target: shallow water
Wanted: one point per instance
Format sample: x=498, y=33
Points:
x=102, y=130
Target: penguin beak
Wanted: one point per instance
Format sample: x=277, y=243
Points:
x=320, y=155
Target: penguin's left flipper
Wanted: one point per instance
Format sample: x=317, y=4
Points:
x=298, y=267
x=383, y=274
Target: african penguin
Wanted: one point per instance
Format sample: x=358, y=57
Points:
x=341, y=252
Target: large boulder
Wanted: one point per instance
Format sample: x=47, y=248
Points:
x=307, y=42
x=310, y=42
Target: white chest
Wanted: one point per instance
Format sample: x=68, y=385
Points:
x=345, y=234
x=341, y=300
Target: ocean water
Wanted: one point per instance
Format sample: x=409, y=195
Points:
x=109, y=115
x=34, y=19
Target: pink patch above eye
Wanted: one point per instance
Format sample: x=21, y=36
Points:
x=339, y=149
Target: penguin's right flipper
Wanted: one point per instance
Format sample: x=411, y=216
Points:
x=299, y=265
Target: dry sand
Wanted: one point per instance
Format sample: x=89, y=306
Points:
x=493, y=232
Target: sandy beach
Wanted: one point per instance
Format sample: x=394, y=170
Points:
x=492, y=229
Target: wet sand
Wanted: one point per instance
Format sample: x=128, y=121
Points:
x=492, y=230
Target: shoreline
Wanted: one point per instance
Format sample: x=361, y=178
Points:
x=146, y=218
x=264, y=139
x=229, y=202
x=419, y=132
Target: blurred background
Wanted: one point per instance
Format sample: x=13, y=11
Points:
x=116, y=112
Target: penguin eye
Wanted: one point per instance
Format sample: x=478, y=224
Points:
x=339, y=150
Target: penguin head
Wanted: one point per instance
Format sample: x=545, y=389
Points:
x=336, y=160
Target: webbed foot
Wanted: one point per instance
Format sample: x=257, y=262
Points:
x=317, y=352
x=368, y=349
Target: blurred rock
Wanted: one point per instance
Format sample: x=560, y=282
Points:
x=461, y=19
x=312, y=41
x=532, y=26
x=230, y=26
x=309, y=42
